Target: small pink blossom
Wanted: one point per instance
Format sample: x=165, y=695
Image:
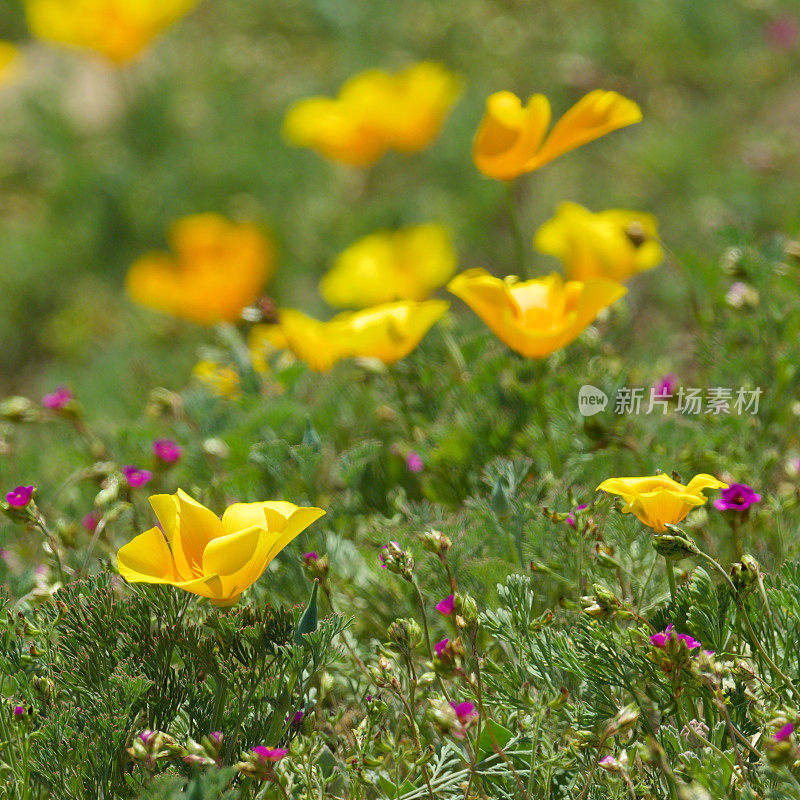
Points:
x=91, y=521
x=270, y=754
x=570, y=520
x=414, y=461
x=440, y=646
x=216, y=737
x=784, y=733
x=167, y=451
x=783, y=32
x=58, y=399
x=20, y=497
x=447, y=605
x=137, y=477
x=465, y=711
x=665, y=387
x=660, y=640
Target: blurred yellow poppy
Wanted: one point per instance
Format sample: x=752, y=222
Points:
x=194, y=550
x=8, y=60
x=535, y=317
x=219, y=267
x=511, y=137
x=375, y=111
x=118, y=29
x=613, y=244
x=387, y=332
x=222, y=380
x=264, y=340
x=658, y=499
x=391, y=265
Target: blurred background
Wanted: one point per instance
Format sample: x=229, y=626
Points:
x=97, y=160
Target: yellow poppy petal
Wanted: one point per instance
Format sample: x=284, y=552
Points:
x=298, y=520
x=598, y=113
x=147, y=559
x=244, y=515
x=166, y=510
x=509, y=134
x=199, y=525
x=704, y=481
x=486, y=295
x=226, y=555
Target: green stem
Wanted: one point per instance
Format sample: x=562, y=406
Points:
x=421, y=602
x=519, y=237
x=541, y=412
x=671, y=577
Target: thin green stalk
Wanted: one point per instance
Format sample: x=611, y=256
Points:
x=541, y=412
x=671, y=578
x=421, y=602
x=519, y=237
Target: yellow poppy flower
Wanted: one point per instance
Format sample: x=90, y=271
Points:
x=391, y=265
x=208, y=556
x=511, y=137
x=420, y=97
x=535, y=317
x=263, y=341
x=387, y=332
x=222, y=380
x=613, y=244
x=657, y=500
x=8, y=60
x=375, y=111
x=219, y=267
x=118, y=29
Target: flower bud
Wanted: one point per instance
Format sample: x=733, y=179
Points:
x=19, y=409
x=316, y=566
x=745, y=573
x=672, y=546
x=624, y=720
x=435, y=542
x=442, y=716
x=162, y=403
x=397, y=560
x=43, y=687
x=406, y=635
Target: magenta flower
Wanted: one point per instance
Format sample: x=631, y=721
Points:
x=784, y=733
x=19, y=711
x=465, y=711
x=570, y=520
x=414, y=461
x=270, y=754
x=20, y=497
x=216, y=737
x=310, y=556
x=58, y=399
x=447, y=605
x=145, y=736
x=737, y=497
x=167, y=451
x=660, y=640
x=137, y=477
x=440, y=646
x=665, y=387
x=783, y=32
x=91, y=521
x=395, y=545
